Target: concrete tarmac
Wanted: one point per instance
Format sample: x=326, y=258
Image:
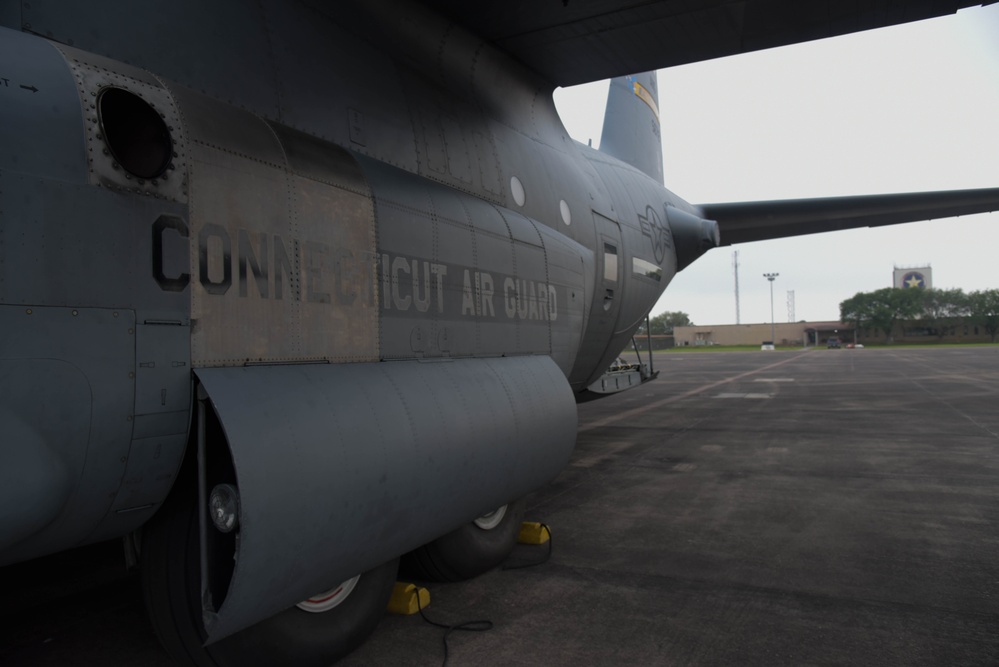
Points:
x=828, y=507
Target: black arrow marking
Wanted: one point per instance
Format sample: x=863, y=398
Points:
x=31, y=88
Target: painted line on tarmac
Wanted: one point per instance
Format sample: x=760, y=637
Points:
x=938, y=398
x=627, y=414
x=740, y=395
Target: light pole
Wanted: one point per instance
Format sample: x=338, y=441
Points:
x=770, y=277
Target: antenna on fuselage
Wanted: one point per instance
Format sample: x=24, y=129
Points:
x=631, y=124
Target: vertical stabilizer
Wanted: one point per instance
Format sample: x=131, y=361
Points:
x=631, y=124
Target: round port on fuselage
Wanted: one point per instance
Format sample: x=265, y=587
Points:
x=135, y=133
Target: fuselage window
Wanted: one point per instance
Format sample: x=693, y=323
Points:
x=645, y=268
x=610, y=262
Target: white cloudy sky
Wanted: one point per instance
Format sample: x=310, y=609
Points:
x=902, y=109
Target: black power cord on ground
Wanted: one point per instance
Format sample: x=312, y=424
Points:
x=544, y=559
x=483, y=625
x=466, y=626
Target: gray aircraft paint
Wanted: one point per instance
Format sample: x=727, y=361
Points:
x=300, y=249
x=88, y=334
x=638, y=142
x=371, y=459
x=359, y=197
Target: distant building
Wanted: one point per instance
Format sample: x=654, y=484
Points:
x=817, y=334
x=799, y=334
x=917, y=276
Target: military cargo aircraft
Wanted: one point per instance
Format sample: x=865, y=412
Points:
x=291, y=290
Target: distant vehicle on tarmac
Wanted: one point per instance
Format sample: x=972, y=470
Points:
x=833, y=342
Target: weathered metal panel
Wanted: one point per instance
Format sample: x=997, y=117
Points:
x=86, y=253
x=489, y=170
x=461, y=276
x=71, y=245
x=45, y=409
x=568, y=264
x=182, y=43
x=94, y=74
x=604, y=304
x=163, y=373
x=10, y=13
x=321, y=161
x=496, y=330
x=64, y=243
x=41, y=125
x=445, y=126
x=66, y=400
x=351, y=465
x=283, y=264
x=339, y=311
x=648, y=255
x=534, y=163
x=159, y=428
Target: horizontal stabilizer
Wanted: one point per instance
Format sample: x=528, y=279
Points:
x=761, y=220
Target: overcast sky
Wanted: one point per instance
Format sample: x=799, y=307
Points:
x=902, y=109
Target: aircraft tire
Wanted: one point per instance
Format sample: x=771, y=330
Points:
x=171, y=582
x=468, y=551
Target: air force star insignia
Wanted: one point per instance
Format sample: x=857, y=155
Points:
x=653, y=227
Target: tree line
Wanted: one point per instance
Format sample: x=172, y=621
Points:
x=936, y=309
x=663, y=323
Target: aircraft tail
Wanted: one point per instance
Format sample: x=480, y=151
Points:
x=631, y=125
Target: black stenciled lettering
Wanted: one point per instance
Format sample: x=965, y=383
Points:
x=523, y=307
x=440, y=271
x=509, y=298
x=345, y=274
x=400, y=265
x=422, y=302
x=246, y=256
x=315, y=254
x=284, y=268
x=163, y=223
x=467, y=301
x=386, y=264
x=487, y=295
x=215, y=231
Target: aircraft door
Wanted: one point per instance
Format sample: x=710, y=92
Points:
x=607, y=299
x=605, y=305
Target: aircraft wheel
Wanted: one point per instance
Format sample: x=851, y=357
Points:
x=471, y=550
x=317, y=632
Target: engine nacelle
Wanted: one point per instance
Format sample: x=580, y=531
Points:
x=692, y=235
x=342, y=466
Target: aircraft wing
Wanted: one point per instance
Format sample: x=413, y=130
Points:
x=575, y=41
x=762, y=220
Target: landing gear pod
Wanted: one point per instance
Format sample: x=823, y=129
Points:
x=337, y=468
x=314, y=633
x=469, y=550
